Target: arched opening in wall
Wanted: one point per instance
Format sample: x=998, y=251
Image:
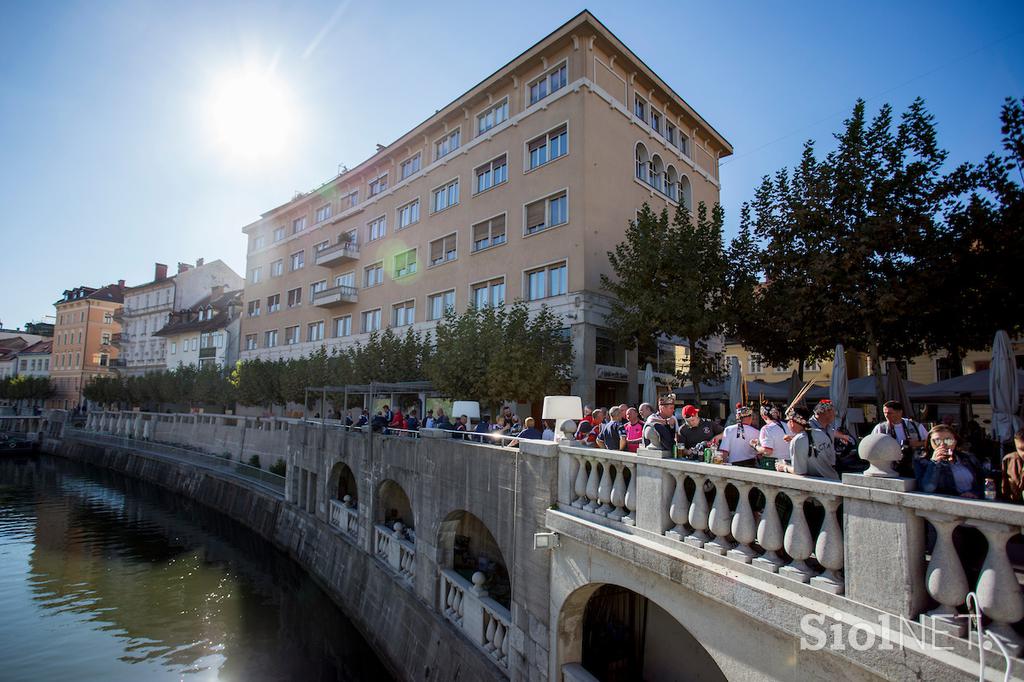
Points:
x=618, y=635
x=685, y=193
x=342, y=484
x=643, y=161
x=393, y=506
x=672, y=183
x=658, y=173
x=466, y=546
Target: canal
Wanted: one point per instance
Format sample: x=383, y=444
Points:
x=106, y=577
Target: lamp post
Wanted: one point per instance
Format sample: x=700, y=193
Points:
x=562, y=408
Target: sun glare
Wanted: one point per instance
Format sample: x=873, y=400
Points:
x=250, y=116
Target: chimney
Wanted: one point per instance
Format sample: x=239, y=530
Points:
x=160, y=273
x=182, y=267
x=120, y=284
x=199, y=262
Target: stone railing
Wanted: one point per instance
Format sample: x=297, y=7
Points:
x=344, y=515
x=484, y=621
x=395, y=549
x=837, y=537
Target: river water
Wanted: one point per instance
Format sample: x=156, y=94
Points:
x=103, y=577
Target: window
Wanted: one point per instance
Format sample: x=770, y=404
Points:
x=298, y=225
x=640, y=108
x=546, y=213
x=343, y=326
x=491, y=174
x=373, y=275
x=104, y=339
x=323, y=213
x=403, y=314
x=409, y=166
x=780, y=369
x=298, y=260
x=315, y=331
x=447, y=144
x=494, y=116
x=548, y=83
x=944, y=369
x=405, y=263
x=409, y=214
x=279, y=234
x=256, y=243
x=352, y=236
x=643, y=163
x=378, y=185
x=254, y=308
x=346, y=280
x=270, y=338
x=490, y=293
x=656, y=120
x=443, y=250
x=174, y=347
x=371, y=321
x=489, y=233
x=256, y=274
x=548, y=147
x=250, y=342
x=545, y=282
x=295, y=297
x=277, y=268
x=108, y=318
x=446, y=196
x=317, y=287
x=104, y=359
x=273, y=303
x=437, y=304
x=684, y=143
x=377, y=228
x=350, y=200
x=755, y=364
x=320, y=246
x=291, y=335
x=813, y=366
x=670, y=134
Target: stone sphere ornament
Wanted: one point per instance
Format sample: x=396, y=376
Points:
x=880, y=451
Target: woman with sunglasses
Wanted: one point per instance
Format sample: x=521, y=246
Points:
x=945, y=470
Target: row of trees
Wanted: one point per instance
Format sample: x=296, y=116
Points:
x=874, y=245
x=25, y=388
x=490, y=354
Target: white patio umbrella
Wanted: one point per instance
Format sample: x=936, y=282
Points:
x=650, y=394
x=735, y=389
x=1003, y=390
x=838, y=390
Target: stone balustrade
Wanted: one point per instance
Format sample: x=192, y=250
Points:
x=484, y=621
x=394, y=548
x=604, y=483
x=344, y=515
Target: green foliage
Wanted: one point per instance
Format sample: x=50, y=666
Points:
x=254, y=461
x=279, y=467
x=26, y=388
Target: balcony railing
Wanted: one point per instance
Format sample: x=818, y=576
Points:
x=335, y=296
x=338, y=253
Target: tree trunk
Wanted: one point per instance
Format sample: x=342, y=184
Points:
x=696, y=374
x=800, y=370
x=876, y=369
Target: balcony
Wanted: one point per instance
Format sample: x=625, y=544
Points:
x=336, y=296
x=207, y=352
x=337, y=253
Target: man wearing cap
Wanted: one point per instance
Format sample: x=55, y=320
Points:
x=695, y=430
x=660, y=427
x=824, y=419
x=771, y=441
x=735, y=446
x=811, y=449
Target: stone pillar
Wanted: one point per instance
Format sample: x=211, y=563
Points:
x=584, y=345
x=653, y=497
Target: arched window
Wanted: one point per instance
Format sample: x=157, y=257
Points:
x=642, y=163
x=672, y=183
x=685, y=196
x=658, y=173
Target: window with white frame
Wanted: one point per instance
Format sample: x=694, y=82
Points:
x=684, y=143
x=409, y=166
x=108, y=318
x=315, y=331
x=496, y=115
x=550, y=82
x=273, y=303
x=547, y=212
x=409, y=214
x=640, y=108
x=548, y=147
x=352, y=237
x=317, y=287
x=347, y=279
x=437, y=304
x=492, y=173
x=174, y=347
x=443, y=250
x=298, y=260
x=277, y=268
x=405, y=263
x=377, y=228
x=378, y=184
x=104, y=339
x=548, y=281
x=489, y=233
x=295, y=297
x=403, y=314
x=813, y=366
x=445, y=196
x=671, y=134
x=256, y=274
x=780, y=369
x=270, y=338
x=250, y=342
x=755, y=364
x=656, y=120
x=342, y=326
x=373, y=275
x=490, y=293
x=323, y=213
x=279, y=234
x=350, y=200
x=447, y=144
x=291, y=335
x=254, y=308
x=320, y=246
x=298, y=225
x=371, y=321
x=256, y=243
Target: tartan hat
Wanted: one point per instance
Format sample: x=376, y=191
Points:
x=743, y=410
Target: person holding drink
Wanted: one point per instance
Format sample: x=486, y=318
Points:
x=946, y=470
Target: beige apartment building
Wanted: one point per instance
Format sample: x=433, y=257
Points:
x=517, y=189
x=83, y=340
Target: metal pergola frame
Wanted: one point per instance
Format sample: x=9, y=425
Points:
x=423, y=389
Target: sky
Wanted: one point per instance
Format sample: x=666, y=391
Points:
x=112, y=124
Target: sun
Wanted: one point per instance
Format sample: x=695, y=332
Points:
x=250, y=115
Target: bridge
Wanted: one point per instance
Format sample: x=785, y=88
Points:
x=550, y=561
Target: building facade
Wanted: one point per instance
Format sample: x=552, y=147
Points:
x=517, y=189
x=83, y=340
x=34, y=361
x=148, y=308
x=205, y=335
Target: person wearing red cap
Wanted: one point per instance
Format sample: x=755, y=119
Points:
x=736, y=439
x=694, y=430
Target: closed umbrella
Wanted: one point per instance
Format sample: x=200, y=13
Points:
x=895, y=389
x=794, y=385
x=1003, y=389
x=650, y=392
x=735, y=389
x=838, y=390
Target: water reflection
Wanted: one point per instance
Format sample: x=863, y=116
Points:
x=106, y=577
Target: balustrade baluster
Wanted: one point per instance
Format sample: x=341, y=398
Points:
x=580, y=486
x=489, y=635
x=678, y=509
x=630, y=499
x=604, y=490
x=945, y=578
x=499, y=639
x=592, y=482
x=798, y=541
x=769, y=533
x=744, y=530
x=998, y=591
x=720, y=520
x=829, y=550
x=618, y=497
x=698, y=515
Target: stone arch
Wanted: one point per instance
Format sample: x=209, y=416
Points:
x=393, y=504
x=465, y=544
x=341, y=483
x=657, y=173
x=685, y=193
x=608, y=627
x=643, y=161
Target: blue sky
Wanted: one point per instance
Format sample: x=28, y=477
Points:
x=107, y=165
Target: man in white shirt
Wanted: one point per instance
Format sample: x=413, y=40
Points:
x=735, y=446
x=771, y=441
x=909, y=434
